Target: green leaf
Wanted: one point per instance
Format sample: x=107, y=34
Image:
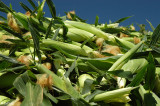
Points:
x=36, y=36
x=9, y=59
x=51, y=8
x=96, y=21
x=32, y=3
x=1, y=17
x=87, y=86
x=124, y=59
x=157, y=49
x=91, y=96
x=113, y=30
x=139, y=77
x=122, y=19
x=5, y=7
x=72, y=67
x=12, y=32
x=7, y=79
x=152, y=27
x=150, y=75
x=49, y=28
x=79, y=102
x=50, y=96
x=56, y=34
x=135, y=65
x=20, y=83
x=40, y=10
x=155, y=36
x=5, y=68
x=64, y=97
x=34, y=95
x=3, y=10
x=122, y=74
x=25, y=7
x=149, y=98
x=86, y=41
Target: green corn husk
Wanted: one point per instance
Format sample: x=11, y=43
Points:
x=78, y=35
x=157, y=85
x=4, y=100
x=124, y=59
x=58, y=82
x=147, y=95
x=23, y=20
x=86, y=48
x=70, y=48
x=135, y=65
x=109, y=95
x=99, y=33
x=82, y=78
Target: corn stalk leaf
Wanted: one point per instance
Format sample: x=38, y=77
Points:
x=150, y=74
x=25, y=7
x=91, y=96
x=122, y=19
x=139, y=77
x=51, y=8
x=5, y=7
x=7, y=79
x=32, y=3
x=40, y=9
x=3, y=10
x=12, y=32
x=152, y=27
x=20, y=83
x=124, y=59
x=149, y=98
x=155, y=36
x=72, y=67
x=56, y=34
x=9, y=59
x=34, y=95
x=50, y=96
x=4, y=19
x=6, y=69
x=87, y=86
x=96, y=21
x=157, y=49
x=36, y=37
x=49, y=28
x=122, y=74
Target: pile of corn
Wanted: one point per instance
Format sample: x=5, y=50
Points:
x=51, y=61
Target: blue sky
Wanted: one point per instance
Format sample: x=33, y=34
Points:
x=105, y=9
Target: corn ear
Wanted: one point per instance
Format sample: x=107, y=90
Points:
x=99, y=33
x=78, y=35
x=108, y=95
x=125, y=57
x=70, y=48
